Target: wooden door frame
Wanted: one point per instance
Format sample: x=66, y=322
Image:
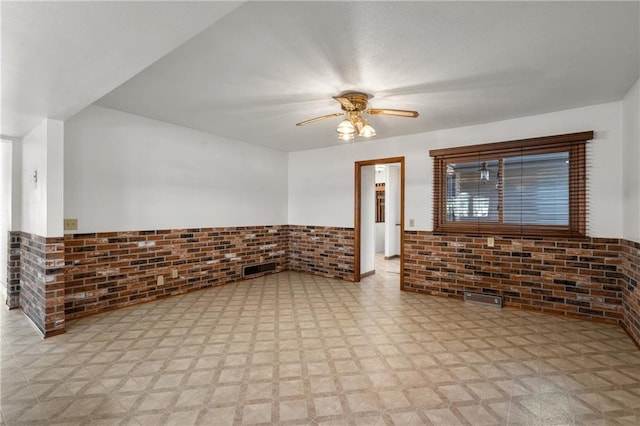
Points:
x=357, y=219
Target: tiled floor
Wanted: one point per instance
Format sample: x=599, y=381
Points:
x=297, y=349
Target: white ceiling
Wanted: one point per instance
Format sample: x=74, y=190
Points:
x=256, y=70
x=59, y=57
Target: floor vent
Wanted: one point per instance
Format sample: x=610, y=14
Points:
x=247, y=271
x=483, y=299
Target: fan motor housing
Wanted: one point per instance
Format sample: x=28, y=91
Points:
x=358, y=99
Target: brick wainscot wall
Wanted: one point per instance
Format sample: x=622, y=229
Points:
x=592, y=278
x=41, y=288
x=589, y=278
x=631, y=288
x=13, y=269
x=322, y=250
x=574, y=278
x=107, y=271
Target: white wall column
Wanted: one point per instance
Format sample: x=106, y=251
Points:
x=16, y=185
x=367, y=219
x=5, y=204
x=43, y=180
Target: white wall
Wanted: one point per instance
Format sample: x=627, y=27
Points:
x=16, y=186
x=380, y=237
x=367, y=219
x=5, y=205
x=631, y=162
x=321, y=180
x=55, y=178
x=34, y=194
x=126, y=172
x=10, y=197
x=42, y=202
x=392, y=211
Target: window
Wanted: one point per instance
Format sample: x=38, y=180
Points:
x=526, y=187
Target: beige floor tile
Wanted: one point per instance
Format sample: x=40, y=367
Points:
x=327, y=406
x=223, y=416
x=478, y=415
x=147, y=420
x=290, y=370
x=394, y=399
x=363, y=402
x=486, y=390
x=288, y=388
x=83, y=407
x=293, y=410
x=456, y=393
x=256, y=413
x=222, y=395
x=299, y=349
x=259, y=391
x=183, y=418
x=369, y=420
x=355, y=382
x=411, y=418
x=322, y=385
x=443, y=416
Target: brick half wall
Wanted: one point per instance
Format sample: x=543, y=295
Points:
x=13, y=269
x=631, y=295
x=594, y=279
x=107, y=271
x=573, y=278
x=322, y=250
x=41, y=290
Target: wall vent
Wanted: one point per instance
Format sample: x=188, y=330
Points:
x=250, y=270
x=483, y=299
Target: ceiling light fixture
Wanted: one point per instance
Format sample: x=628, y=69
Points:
x=354, y=123
x=345, y=127
x=346, y=136
x=354, y=105
x=484, y=172
x=367, y=131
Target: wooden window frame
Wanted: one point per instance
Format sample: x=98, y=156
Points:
x=573, y=143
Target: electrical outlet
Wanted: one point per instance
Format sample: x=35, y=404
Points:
x=491, y=242
x=70, y=224
x=412, y=223
x=174, y=273
x=160, y=280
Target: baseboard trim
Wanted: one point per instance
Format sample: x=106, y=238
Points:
x=366, y=274
x=391, y=257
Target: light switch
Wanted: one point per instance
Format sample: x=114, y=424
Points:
x=412, y=223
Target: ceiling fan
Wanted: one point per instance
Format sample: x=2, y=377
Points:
x=354, y=105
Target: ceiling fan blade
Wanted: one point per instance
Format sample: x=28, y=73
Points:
x=324, y=117
x=396, y=112
x=346, y=103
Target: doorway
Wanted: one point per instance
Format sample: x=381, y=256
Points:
x=365, y=213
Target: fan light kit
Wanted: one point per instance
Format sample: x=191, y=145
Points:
x=354, y=105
